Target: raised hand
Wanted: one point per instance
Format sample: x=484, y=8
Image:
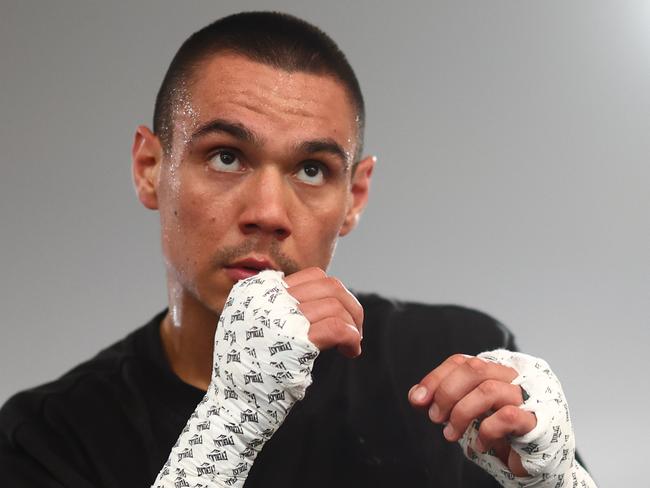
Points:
x=335, y=315
x=262, y=366
x=509, y=414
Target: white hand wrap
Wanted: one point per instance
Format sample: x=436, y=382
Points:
x=548, y=451
x=262, y=366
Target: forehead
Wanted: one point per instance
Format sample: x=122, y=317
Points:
x=268, y=100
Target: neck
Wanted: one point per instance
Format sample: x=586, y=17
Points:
x=187, y=334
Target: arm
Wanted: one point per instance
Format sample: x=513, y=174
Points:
x=262, y=365
x=264, y=352
x=524, y=436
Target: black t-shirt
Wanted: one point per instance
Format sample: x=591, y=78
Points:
x=112, y=421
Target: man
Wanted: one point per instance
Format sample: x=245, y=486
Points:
x=255, y=162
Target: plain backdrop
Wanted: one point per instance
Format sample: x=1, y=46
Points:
x=513, y=146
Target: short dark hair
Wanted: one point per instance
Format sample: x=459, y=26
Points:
x=276, y=39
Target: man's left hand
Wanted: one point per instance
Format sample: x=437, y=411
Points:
x=464, y=388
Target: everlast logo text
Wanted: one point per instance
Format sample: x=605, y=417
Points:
x=279, y=347
x=241, y=468
x=238, y=315
x=249, y=416
x=196, y=440
x=205, y=468
x=556, y=433
x=253, y=377
x=305, y=358
x=218, y=455
x=222, y=441
x=248, y=453
x=180, y=483
x=276, y=395
x=186, y=453
x=531, y=448
x=254, y=332
x=234, y=428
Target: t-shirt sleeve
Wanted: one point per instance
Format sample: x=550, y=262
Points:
x=30, y=462
x=46, y=441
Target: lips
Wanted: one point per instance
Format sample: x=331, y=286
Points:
x=245, y=268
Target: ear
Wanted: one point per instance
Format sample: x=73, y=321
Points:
x=359, y=189
x=146, y=155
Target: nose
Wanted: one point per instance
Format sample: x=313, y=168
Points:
x=266, y=203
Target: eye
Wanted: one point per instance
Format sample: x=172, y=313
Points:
x=312, y=173
x=225, y=160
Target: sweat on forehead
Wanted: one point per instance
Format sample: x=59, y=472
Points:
x=231, y=90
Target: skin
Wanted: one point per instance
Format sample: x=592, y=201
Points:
x=261, y=166
x=287, y=139
x=463, y=388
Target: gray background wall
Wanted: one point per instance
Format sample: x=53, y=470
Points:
x=513, y=177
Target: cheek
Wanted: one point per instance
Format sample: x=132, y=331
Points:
x=188, y=224
x=186, y=203
x=199, y=220
x=321, y=229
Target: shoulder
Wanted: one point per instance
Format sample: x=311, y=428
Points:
x=451, y=324
x=415, y=337
x=91, y=383
x=76, y=430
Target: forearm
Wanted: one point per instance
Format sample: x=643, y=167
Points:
x=212, y=451
x=262, y=366
x=548, y=451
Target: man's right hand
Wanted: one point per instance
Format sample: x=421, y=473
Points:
x=335, y=315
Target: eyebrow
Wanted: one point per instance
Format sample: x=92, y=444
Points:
x=243, y=133
x=235, y=129
x=327, y=146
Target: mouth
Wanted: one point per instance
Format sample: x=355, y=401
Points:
x=245, y=268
